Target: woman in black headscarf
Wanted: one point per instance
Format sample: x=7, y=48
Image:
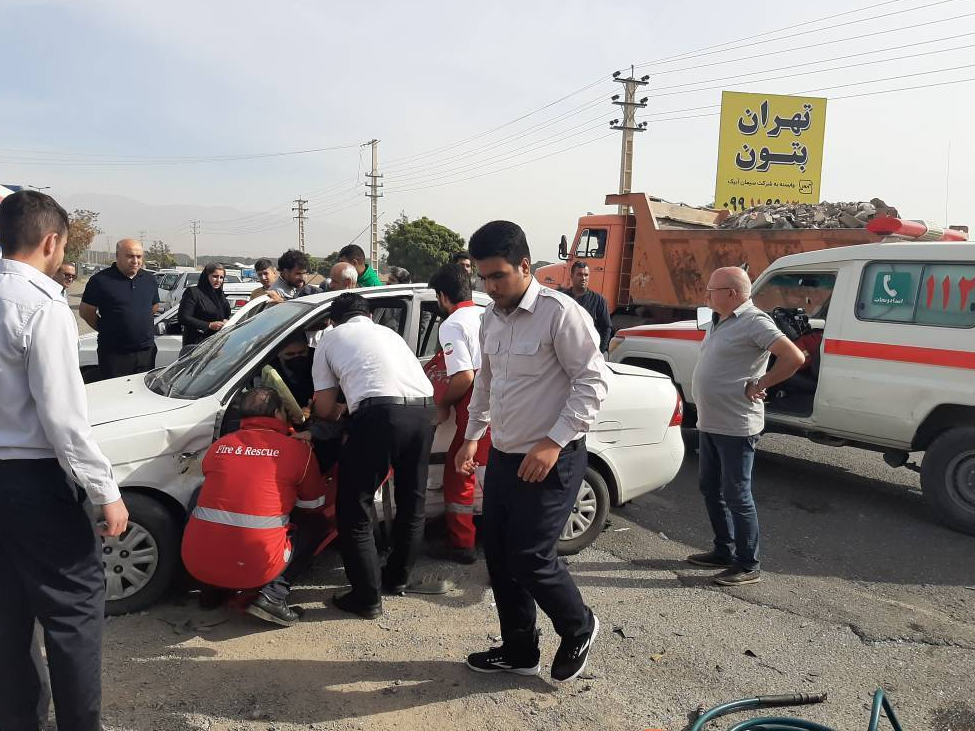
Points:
x=204, y=308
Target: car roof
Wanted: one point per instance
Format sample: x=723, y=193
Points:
x=882, y=251
x=314, y=299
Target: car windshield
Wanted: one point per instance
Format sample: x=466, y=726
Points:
x=217, y=359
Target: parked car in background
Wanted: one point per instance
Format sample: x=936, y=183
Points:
x=173, y=284
x=169, y=332
x=155, y=428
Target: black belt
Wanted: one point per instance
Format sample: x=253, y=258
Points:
x=393, y=400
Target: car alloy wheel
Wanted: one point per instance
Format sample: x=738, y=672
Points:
x=130, y=562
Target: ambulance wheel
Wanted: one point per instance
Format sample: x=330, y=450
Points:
x=948, y=478
x=588, y=515
x=140, y=564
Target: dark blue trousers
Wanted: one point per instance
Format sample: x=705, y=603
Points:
x=51, y=569
x=520, y=529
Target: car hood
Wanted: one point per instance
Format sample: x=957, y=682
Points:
x=123, y=398
x=681, y=325
x=624, y=369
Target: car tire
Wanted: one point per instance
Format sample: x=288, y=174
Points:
x=588, y=517
x=948, y=478
x=141, y=563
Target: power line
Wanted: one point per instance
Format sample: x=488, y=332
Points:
x=510, y=167
x=793, y=49
x=789, y=28
x=792, y=36
x=821, y=60
x=817, y=71
x=64, y=158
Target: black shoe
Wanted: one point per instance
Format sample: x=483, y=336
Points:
x=346, y=603
x=457, y=555
x=573, y=654
x=711, y=560
x=737, y=577
x=501, y=660
x=394, y=589
x=272, y=611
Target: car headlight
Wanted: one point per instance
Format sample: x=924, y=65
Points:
x=614, y=343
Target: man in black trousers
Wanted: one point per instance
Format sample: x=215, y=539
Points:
x=49, y=467
x=392, y=422
x=541, y=383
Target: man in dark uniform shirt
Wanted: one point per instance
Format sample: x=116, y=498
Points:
x=120, y=303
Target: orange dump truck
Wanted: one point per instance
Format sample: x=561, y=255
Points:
x=653, y=265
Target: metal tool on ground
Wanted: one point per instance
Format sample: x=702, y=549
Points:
x=784, y=723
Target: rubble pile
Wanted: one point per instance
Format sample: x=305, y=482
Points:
x=810, y=215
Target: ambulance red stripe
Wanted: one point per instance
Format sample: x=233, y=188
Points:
x=902, y=353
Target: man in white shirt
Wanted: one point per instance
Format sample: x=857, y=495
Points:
x=392, y=423
x=540, y=387
x=461, y=350
x=49, y=467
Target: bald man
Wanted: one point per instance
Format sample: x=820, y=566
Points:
x=729, y=386
x=342, y=276
x=120, y=303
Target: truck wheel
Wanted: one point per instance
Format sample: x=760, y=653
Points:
x=948, y=478
x=588, y=515
x=140, y=563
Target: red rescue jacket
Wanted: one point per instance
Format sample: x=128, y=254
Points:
x=237, y=536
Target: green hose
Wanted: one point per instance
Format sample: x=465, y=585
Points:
x=783, y=723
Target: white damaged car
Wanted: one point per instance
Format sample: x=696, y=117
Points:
x=156, y=427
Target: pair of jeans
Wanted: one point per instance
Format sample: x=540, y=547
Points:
x=520, y=528
x=725, y=474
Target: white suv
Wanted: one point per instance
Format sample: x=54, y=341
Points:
x=889, y=332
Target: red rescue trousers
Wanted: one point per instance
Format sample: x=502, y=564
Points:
x=458, y=488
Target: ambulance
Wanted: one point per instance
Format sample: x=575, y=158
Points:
x=888, y=330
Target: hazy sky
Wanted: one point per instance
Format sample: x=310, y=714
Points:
x=88, y=85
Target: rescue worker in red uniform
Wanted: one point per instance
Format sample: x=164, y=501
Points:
x=240, y=534
x=461, y=354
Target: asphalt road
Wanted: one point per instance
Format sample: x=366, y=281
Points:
x=860, y=590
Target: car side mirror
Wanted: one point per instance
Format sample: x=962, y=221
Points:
x=704, y=317
x=563, y=249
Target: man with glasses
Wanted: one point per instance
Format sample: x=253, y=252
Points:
x=65, y=275
x=729, y=385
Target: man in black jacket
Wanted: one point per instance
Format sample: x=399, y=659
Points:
x=119, y=303
x=591, y=302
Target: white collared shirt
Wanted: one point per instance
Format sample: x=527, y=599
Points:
x=44, y=406
x=460, y=339
x=542, y=374
x=366, y=360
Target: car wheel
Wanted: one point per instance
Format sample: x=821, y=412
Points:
x=948, y=478
x=140, y=563
x=588, y=515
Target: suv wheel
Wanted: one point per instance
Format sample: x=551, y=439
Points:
x=588, y=515
x=948, y=478
x=140, y=563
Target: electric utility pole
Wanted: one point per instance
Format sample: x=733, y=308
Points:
x=628, y=126
x=375, y=194
x=196, y=230
x=301, y=210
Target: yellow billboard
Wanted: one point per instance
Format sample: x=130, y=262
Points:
x=770, y=150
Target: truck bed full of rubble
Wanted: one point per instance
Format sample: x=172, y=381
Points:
x=810, y=215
